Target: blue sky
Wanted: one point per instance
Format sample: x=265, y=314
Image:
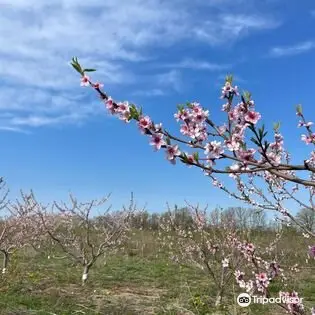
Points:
x=56, y=136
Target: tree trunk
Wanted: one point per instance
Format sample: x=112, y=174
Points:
x=85, y=274
x=5, y=261
x=219, y=297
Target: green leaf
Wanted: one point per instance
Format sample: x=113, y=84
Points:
x=77, y=68
x=299, y=109
x=196, y=156
x=184, y=157
x=254, y=140
x=188, y=104
x=168, y=141
x=229, y=78
x=247, y=95
x=134, y=112
x=180, y=107
x=89, y=70
x=276, y=126
x=75, y=64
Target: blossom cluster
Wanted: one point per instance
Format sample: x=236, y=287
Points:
x=228, y=141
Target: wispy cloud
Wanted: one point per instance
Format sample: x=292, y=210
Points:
x=39, y=121
x=42, y=36
x=149, y=92
x=197, y=65
x=232, y=26
x=292, y=50
x=14, y=129
x=171, y=79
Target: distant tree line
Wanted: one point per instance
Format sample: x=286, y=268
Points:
x=243, y=218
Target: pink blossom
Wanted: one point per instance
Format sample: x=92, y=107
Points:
x=123, y=107
x=308, y=139
x=249, y=285
x=233, y=114
x=182, y=115
x=190, y=159
x=239, y=275
x=124, y=110
x=184, y=129
x=98, y=85
x=158, y=127
x=157, y=141
x=250, y=247
x=312, y=158
x=262, y=281
x=305, y=124
x=240, y=129
x=227, y=89
x=251, y=103
x=274, y=269
x=222, y=129
x=274, y=158
x=125, y=116
x=246, y=155
x=292, y=301
x=109, y=103
x=85, y=80
x=252, y=117
x=214, y=149
x=200, y=118
x=171, y=152
x=225, y=262
x=216, y=183
x=144, y=122
x=232, y=145
x=279, y=138
x=196, y=108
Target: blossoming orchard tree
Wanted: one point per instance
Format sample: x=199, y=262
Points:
x=75, y=232
x=5, y=227
x=261, y=168
x=216, y=243
x=17, y=227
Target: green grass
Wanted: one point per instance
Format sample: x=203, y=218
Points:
x=135, y=282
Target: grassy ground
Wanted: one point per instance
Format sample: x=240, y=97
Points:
x=135, y=282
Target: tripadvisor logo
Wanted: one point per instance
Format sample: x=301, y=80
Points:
x=278, y=300
x=244, y=300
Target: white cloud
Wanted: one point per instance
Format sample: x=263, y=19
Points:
x=292, y=50
x=231, y=26
x=149, y=92
x=171, y=79
x=197, y=65
x=13, y=129
x=40, y=37
x=38, y=121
